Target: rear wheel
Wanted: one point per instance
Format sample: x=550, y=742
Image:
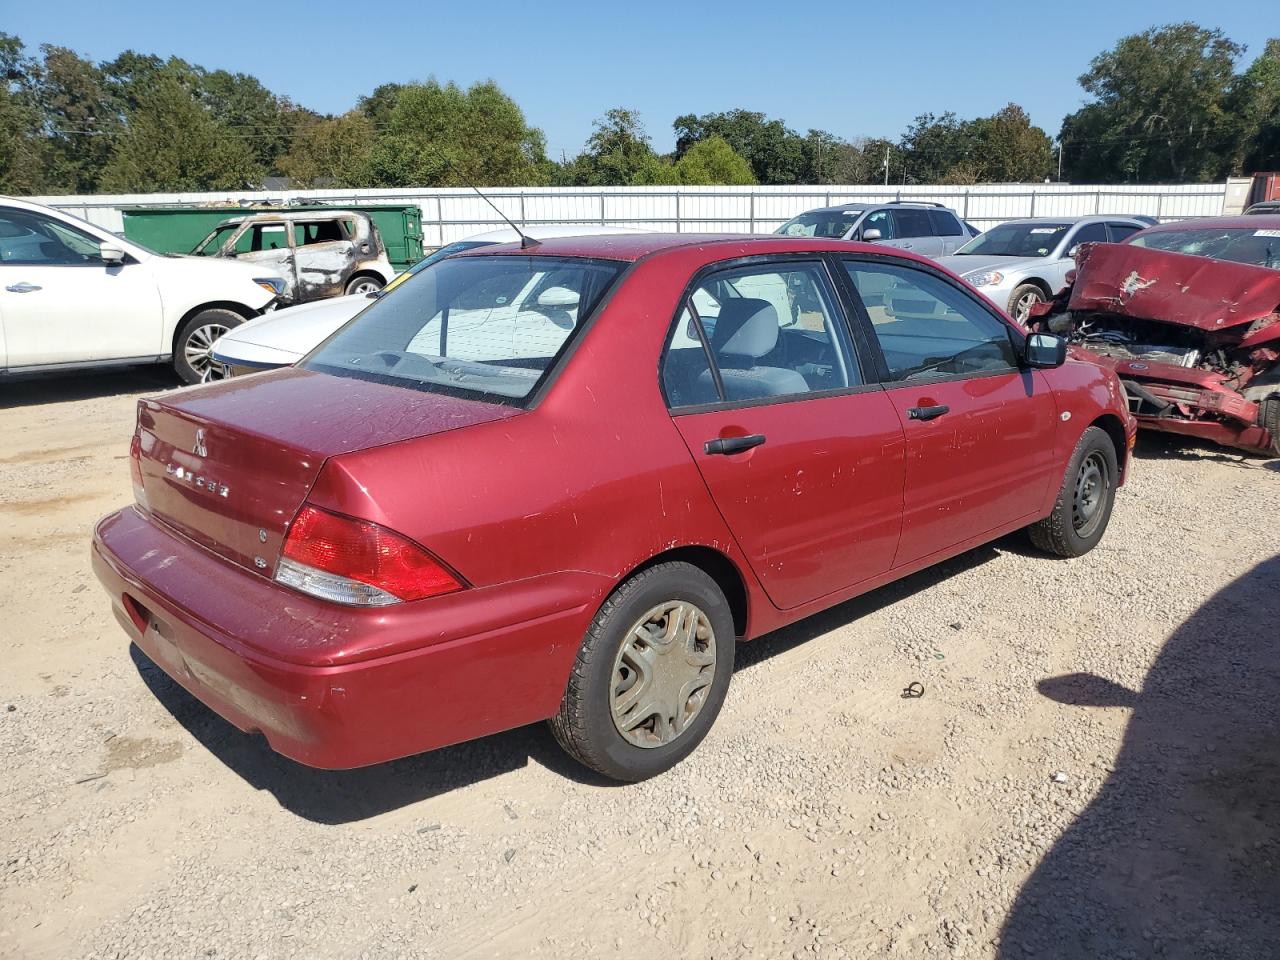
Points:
x=1024, y=297
x=1083, y=508
x=364, y=284
x=651, y=674
x=193, y=348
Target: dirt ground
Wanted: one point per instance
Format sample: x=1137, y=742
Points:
x=1093, y=770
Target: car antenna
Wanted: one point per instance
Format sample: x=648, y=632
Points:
x=526, y=241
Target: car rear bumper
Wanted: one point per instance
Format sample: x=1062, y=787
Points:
x=460, y=684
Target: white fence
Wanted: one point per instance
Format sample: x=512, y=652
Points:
x=451, y=214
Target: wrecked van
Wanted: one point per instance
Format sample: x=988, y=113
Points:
x=320, y=254
x=1188, y=315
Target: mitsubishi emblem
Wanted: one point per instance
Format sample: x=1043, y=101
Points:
x=199, y=449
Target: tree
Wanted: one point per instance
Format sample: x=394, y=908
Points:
x=1253, y=106
x=334, y=151
x=81, y=119
x=775, y=152
x=1159, y=111
x=713, y=161
x=441, y=135
x=936, y=145
x=172, y=143
x=619, y=153
x=1010, y=148
x=23, y=148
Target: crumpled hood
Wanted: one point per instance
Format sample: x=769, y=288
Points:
x=1172, y=287
x=976, y=263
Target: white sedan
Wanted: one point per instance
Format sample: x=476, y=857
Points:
x=286, y=336
x=73, y=295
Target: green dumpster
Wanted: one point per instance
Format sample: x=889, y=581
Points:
x=177, y=229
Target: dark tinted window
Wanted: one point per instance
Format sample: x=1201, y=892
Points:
x=1090, y=233
x=486, y=325
x=945, y=223
x=1121, y=231
x=927, y=327
x=912, y=223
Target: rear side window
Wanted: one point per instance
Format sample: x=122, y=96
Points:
x=318, y=231
x=945, y=223
x=912, y=223
x=487, y=326
x=756, y=333
x=926, y=327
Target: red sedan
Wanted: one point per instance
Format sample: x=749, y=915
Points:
x=562, y=482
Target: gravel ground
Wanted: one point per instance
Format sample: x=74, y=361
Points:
x=1092, y=772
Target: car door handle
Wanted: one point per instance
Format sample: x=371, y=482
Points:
x=927, y=413
x=728, y=445
x=22, y=288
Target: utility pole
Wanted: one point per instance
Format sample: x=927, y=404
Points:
x=886, y=164
x=1060, y=146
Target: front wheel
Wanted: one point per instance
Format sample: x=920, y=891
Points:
x=651, y=674
x=1083, y=508
x=1269, y=417
x=1024, y=297
x=193, y=348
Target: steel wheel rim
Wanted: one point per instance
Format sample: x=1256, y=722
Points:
x=663, y=674
x=1092, y=487
x=1025, y=302
x=198, y=350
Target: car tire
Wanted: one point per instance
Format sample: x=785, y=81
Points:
x=1269, y=417
x=191, y=358
x=1024, y=296
x=364, y=284
x=1082, y=509
x=602, y=721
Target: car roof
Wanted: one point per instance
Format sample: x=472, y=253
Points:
x=1073, y=221
x=858, y=206
x=631, y=247
x=1252, y=221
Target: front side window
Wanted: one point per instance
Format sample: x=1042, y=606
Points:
x=1122, y=231
x=29, y=238
x=484, y=326
x=772, y=331
x=1089, y=233
x=882, y=221
x=213, y=243
x=1016, y=240
x=926, y=327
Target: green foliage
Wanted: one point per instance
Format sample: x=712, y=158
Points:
x=775, y=152
x=713, y=161
x=332, y=150
x=1160, y=110
x=23, y=148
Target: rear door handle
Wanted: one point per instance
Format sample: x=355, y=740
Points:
x=22, y=288
x=927, y=413
x=728, y=445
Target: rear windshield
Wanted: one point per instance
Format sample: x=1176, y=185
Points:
x=1259, y=247
x=830, y=224
x=486, y=326
x=1016, y=240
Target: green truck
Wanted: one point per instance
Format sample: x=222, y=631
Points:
x=179, y=229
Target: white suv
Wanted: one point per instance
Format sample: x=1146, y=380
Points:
x=73, y=295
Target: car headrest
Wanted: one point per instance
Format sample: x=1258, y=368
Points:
x=747, y=327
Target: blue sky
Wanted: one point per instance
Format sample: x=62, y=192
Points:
x=856, y=69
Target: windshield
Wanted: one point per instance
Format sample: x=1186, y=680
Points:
x=213, y=242
x=490, y=326
x=831, y=224
x=1016, y=240
x=1258, y=247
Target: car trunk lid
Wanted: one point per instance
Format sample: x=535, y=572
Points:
x=228, y=465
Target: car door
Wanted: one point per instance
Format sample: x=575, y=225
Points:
x=978, y=428
x=802, y=453
x=948, y=231
x=914, y=231
x=324, y=257
x=270, y=243
x=60, y=303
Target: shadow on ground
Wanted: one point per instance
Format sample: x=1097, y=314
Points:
x=28, y=390
x=1153, y=445
x=1179, y=854
x=345, y=796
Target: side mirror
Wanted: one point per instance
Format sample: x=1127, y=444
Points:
x=1071, y=253
x=558, y=297
x=1045, y=350
x=871, y=235
x=111, y=256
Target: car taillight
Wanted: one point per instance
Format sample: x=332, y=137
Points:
x=358, y=562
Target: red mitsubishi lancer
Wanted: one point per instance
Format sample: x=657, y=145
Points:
x=561, y=481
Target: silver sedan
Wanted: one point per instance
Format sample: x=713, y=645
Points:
x=1023, y=262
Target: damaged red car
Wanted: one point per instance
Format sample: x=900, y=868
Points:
x=563, y=480
x=1188, y=314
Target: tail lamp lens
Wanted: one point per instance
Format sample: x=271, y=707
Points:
x=358, y=562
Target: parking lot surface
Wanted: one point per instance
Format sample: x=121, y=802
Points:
x=1092, y=770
